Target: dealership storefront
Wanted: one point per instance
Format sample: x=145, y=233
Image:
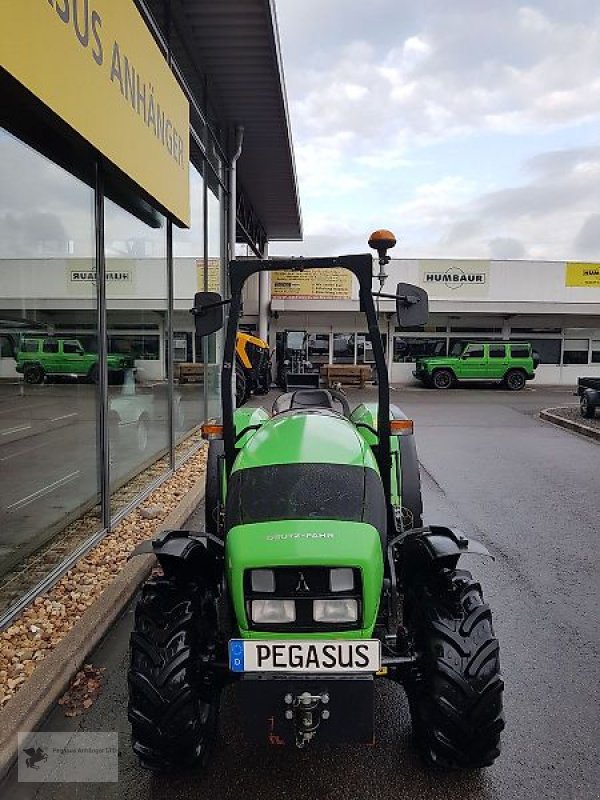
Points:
x=118, y=201
x=553, y=305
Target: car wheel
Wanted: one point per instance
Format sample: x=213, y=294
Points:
x=514, y=380
x=141, y=434
x=586, y=408
x=33, y=374
x=442, y=379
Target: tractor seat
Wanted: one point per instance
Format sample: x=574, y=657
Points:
x=303, y=398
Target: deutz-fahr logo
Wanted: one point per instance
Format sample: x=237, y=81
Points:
x=455, y=277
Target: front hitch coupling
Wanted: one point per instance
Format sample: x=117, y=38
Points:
x=307, y=711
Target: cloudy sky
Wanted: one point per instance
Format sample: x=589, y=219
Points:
x=470, y=128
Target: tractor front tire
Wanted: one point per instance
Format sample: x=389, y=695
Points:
x=455, y=694
x=173, y=700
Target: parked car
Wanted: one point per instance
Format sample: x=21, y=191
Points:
x=509, y=363
x=39, y=357
x=588, y=390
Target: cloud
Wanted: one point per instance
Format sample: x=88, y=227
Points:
x=425, y=117
x=587, y=241
x=547, y=216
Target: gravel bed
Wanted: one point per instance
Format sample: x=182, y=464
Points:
x=46, y=621
x=572, y=414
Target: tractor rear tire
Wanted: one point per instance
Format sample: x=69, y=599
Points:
x=212, y=495
x=173, y=700
x=241, y=386
x=455, y=695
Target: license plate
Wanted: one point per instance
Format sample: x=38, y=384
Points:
x=323, y=656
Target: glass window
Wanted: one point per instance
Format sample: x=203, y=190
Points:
x=318, y=348
x=50, y=346
x=190, y=275
x=212, y=370
x=364, y=348
x=497, y=351
x=474, y=352
x=519, y=351
x=548, y=350
x=408, y=349
x=343, y=348
x=138, y=390
x=575, y=351
x=596, y=351
x=72, y=347
x=48, y=499
x=7, y=347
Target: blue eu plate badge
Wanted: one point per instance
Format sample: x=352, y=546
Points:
x=236, y=655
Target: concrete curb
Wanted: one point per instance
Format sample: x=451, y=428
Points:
x=30, y=706
x=576, y=427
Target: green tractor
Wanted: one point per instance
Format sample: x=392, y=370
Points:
x=315, y=576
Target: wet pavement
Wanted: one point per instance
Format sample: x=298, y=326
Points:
x=529, y=491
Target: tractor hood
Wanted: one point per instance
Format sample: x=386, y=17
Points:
x=305, y=545
x=304, y=436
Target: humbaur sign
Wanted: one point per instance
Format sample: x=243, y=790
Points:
x=449, y=278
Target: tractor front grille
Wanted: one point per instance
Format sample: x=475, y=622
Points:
x=304, y=585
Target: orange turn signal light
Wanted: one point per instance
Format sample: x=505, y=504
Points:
x=401, y=427
x=211, y=430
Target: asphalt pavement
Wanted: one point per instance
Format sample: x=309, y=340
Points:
x=529, y=491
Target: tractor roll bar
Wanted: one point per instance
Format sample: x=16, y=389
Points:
x=361, y=266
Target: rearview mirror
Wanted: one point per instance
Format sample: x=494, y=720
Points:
x=412, y=305
x=208, y=312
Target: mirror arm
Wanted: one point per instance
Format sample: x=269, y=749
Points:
x=204, y=309
x=407, y=300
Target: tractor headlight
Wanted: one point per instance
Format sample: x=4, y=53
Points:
x=330, y=611
x=273, y=612
x=341, y=580
x=262, y=580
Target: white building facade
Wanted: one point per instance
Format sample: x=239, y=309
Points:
x=555, y=305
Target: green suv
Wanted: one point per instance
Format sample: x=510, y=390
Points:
x=509, y=363
x=42, y=356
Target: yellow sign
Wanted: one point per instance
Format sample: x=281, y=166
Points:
x=580, y=274
x=96, y=65
x=214, y=275
x=312, y=284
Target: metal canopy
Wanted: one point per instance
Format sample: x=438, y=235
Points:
x=235, y=45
